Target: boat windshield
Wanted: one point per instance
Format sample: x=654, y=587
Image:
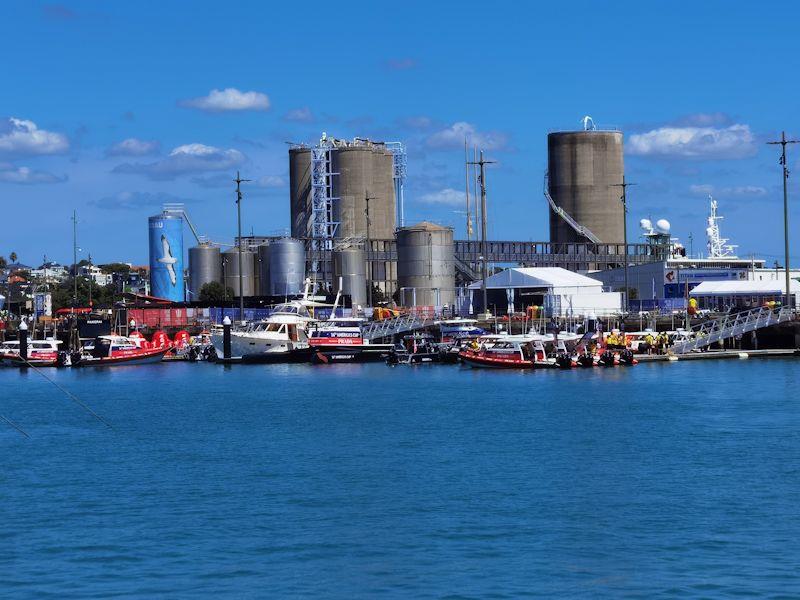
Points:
x=291, y=309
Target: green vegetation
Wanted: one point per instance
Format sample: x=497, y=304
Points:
x=213, y=291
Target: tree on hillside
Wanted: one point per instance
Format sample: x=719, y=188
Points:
x=13, y=257
x=115, y=268
x=3, y=262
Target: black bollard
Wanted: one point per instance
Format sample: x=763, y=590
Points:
x=226, y=338
x=23, y=342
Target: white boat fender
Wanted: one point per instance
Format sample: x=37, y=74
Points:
x=743, y=355
x=672, y=358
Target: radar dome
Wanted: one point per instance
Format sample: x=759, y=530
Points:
x=662, y=226
x=645, y=224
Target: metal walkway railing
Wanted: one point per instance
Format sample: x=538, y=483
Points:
x=580, y=229
x=389, y=327
x=731, y=326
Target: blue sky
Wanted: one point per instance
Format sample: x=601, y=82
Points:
x=110, y=108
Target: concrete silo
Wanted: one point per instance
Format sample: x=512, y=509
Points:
x=584, y=167
x=350, y=264
x=426, y=265
x=300, y=191
x=230, y=267
x=287, y=267
x=356, y=169
x=364, y=171
x=166, y=256
x=263, y=270
x=205, y=266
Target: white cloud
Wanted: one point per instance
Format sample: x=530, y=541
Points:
x=447, y=196
x=21, y=137
x=454, y=135
x=133, y=200
x=226, y=181
x=737, y=191
x=271, y=181
x=189, y=158
x=299, y=115
x=229, y=99
x=735, y=141
x=134, y=147
x=27, y=176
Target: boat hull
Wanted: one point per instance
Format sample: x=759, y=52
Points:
x=326, y=354
x=140, y=358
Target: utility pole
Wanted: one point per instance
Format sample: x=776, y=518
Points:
x=239, y=181
x=484, y=270
x=466, y=189
x=368, y=253
x=783, y=141
x=624, y=199
x=75, y=257
x=90, y=281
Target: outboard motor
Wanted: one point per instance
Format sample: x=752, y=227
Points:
x=63, y=359
x=606, y=359
x=75, y=359
x=586, y=360
x=564, y=361
x=626, y=358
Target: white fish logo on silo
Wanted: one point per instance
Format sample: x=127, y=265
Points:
x=168, y=259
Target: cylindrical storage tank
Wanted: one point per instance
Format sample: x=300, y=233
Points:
x=230, y=267
x=426, y=265
x=585, y=169
x=166, y=256
x=350, y=265
x=364, y=171
x=263, y=270
x=287, y=267
x=299, y=191
x=205, y=266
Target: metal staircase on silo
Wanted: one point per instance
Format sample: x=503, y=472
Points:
x=580, y=229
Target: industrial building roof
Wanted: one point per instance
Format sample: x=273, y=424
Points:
x=744, y=288
x=533, y=277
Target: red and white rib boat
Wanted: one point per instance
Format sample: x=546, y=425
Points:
x=41, y=353
x=108, y=350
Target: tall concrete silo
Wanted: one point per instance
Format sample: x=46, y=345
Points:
x=358, y=169
x=426, y=265
x=364, y=171
x=287, y=267
x=583, y=168
x=350, y=265
x=166, y=256
x=300, y=191
x=230, y=259
x=205, y=266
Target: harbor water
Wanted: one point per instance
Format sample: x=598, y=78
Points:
x=364, y=481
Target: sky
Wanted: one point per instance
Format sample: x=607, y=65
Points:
x=112, y=109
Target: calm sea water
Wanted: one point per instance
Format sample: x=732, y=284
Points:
x=363, y=481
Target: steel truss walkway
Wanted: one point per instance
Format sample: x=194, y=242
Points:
x=402, y=324
x=730, y=326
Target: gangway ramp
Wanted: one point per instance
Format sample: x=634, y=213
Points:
x=402, y=324
x=731, y=326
